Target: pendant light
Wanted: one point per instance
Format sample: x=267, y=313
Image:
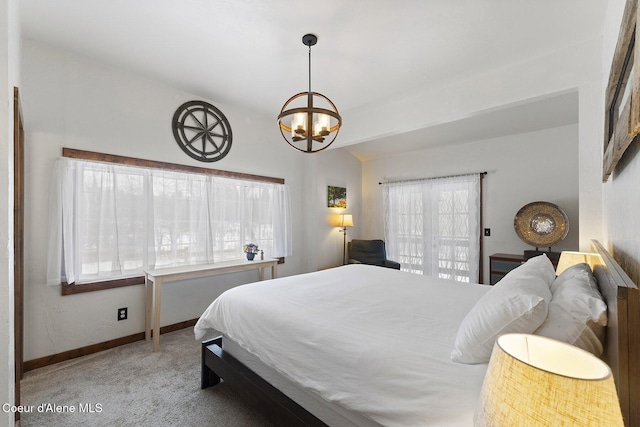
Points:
x=309, y=121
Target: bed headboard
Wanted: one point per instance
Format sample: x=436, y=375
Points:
x=622, y=341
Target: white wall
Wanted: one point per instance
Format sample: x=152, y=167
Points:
x=522, y=168
x=591, y=123
x=338, y=168
x=72, y=102
x=9, y=77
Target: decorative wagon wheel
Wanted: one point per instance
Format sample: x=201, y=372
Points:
x=202, y=131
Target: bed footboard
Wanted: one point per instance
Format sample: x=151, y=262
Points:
x=279, y=408
x=208, y=377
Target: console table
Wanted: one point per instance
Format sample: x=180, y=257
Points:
x=155, y=278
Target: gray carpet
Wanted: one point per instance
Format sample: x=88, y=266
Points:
x=134, y=387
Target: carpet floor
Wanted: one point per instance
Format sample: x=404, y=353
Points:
x=133, y=386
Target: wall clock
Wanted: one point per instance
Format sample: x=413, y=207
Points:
x=202, y=131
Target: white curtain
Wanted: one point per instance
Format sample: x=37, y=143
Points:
x=432, y=226
x=181, y=229
x=110, y=220
x=282, y=237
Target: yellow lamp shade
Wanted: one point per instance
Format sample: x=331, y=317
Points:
x=537, y=381
x=568, y=258
x=343, y=220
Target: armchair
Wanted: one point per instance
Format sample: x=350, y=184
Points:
x=370, y=252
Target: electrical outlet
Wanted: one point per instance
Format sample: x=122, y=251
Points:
x=487, y=232
x=122, y=313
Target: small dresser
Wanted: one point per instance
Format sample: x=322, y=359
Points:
x=501, y=264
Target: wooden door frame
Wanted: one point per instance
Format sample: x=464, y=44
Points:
x=18, y=239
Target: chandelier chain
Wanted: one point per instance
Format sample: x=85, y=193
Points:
x=309, y=69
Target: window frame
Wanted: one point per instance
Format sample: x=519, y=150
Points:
x=98, y=285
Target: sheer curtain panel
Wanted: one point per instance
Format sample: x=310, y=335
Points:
x=109, y=220
x=432, y=226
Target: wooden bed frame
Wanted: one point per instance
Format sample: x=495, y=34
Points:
x=259, y=393
x=622, y=353
x=622, y=341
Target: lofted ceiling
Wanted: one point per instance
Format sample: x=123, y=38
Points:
x=529, y=116
x=249, y=52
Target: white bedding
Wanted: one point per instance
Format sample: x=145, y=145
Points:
x=373, y=340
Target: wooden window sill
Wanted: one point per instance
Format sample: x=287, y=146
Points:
x=71, y=289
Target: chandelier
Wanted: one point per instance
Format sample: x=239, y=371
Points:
x=314, y=119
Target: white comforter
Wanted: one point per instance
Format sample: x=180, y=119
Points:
x=374, y=340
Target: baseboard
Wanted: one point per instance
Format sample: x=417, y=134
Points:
x=41, y=362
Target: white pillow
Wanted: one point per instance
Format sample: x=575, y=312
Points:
x=577, y=312
x=580, y=296
x=562, y=326
x=517, y=303
x=577, y=270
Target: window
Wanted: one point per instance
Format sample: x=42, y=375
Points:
x=112, y=220
x=433, y=226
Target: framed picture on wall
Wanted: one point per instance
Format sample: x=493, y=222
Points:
x=336, y=197
x=622, y=98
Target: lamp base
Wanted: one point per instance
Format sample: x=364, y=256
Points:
x=344, y=245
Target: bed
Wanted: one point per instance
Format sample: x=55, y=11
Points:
x=363, y=346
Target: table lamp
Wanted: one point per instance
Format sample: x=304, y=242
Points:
x=569, y=258
x=537, y=381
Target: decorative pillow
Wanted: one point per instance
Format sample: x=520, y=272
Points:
x=577, y=312
x=517, y=303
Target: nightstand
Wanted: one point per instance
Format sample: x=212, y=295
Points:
x=501, y=264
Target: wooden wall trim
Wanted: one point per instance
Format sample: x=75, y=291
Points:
x=481, y=254
x=18, y=241
x=41, y=362
x=131, y=161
